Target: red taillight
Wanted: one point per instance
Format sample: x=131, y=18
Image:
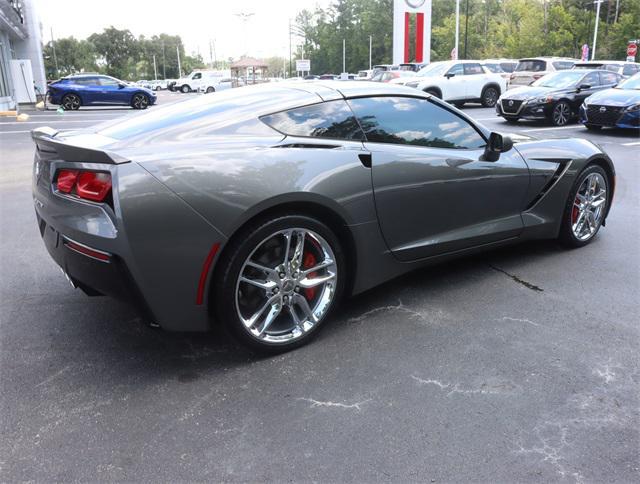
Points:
x=67, y=180
x=88, y=185
x=93, y=185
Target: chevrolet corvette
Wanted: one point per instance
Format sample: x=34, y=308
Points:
x=260, y=208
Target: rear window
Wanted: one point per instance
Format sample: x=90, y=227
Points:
x=630, y=69
x=471, y=69
x=495, y=68
x=508, y=66
x=532, y=65
x=562, y=65
x=332, y=119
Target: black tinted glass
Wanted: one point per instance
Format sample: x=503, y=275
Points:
x=471, y=69
x=331, y=119
x=412, y=121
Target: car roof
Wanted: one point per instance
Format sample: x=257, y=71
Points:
x=548, y=58
x=329, y=90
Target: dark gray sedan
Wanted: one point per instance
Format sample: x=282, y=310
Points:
x=259, y=208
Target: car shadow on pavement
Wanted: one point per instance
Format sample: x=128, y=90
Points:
x=121, y=345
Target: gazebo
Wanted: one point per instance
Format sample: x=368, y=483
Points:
x=243, y=65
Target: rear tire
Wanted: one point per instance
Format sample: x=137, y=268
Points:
x=585, y=208
x=210, y=90
x=434, y=93
x=489, y=96
x=275, y=308
x=71, y=102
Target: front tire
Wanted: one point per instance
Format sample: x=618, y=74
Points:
x=185, y=89
x=489, y=96
x=71, y=102
x=139, y=101
x=279, y=281
x=561, y=114
x=586, y=207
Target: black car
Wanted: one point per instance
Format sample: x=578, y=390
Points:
x=555, y=97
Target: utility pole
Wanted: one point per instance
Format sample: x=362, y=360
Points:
x=179, y=66
x=370, y=45
x=457, y=28
x=290, y=55
x=210, y=53
x=466, y=28
x=595, y=32
x=164, y=63
x=155, y=68
x=344, y=55
x=615, y=19
x=55, y=58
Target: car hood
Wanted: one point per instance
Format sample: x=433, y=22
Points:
x=615, y=97
x=528, y=92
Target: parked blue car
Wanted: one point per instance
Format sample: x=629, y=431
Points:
x=97, y=90
x=618, y=107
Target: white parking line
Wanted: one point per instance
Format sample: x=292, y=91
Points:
x=56, y=121
x=634, y=143
x=495, y=118
x=549, y=129
x=7, y=132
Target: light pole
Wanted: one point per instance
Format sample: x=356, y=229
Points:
x=155, y=68
x=344, y=55
x=244, y=16
x=455, y=48
x=55, y=59
x=179, y=66
x=595, y=32
x=370, y=45
x=466, y=29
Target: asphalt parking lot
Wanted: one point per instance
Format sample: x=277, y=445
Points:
x=461, y=372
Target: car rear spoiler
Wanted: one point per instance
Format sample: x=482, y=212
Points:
x=44, y=139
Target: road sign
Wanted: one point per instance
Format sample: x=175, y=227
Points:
x=632, y=50
x=303, y=65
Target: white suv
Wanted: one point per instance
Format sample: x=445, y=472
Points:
x=532, y=69
x=458, y=82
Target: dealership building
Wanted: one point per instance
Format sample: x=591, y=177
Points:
x=21, y=63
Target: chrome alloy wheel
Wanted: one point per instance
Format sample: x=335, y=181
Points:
x=589, y=207
x=286, y=285
x=140, y=101
x=71, y=102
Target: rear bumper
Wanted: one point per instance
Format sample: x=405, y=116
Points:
x=147, y=251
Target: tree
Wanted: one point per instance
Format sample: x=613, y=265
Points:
x=72, y=55
x=117, y=50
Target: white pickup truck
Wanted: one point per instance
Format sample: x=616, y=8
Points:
x=458, y=82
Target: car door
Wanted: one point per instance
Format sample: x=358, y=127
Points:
x=113, y=91
x=453, y=84
x=592, y=80
x=433, y=192
x=90, y=91
x=475, y=79
x=609, y=79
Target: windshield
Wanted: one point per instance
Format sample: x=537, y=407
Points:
x=560, y=80
x=435, y=69
x=531, y=65
x=631, y=83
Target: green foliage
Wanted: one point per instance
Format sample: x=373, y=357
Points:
x=496, y=28
x=118, y=53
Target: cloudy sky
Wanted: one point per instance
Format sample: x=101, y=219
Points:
x=196, y=21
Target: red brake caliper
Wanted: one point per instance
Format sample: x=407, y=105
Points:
x=575, y=212
x=310, y=261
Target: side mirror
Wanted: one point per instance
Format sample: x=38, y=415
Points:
x=497, y=144
x=121, y=85
x=582, y=87
x=449, y=75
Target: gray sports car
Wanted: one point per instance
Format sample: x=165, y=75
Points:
x=260, y=207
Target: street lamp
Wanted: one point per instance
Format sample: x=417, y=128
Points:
x=244, y=17
x=595, y=32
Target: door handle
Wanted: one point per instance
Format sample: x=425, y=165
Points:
x=365, y=159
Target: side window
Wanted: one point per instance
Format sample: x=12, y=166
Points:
x=629, y=69
x=592, y=79
x=457, y=70
x=107, y=81
x=608, y=78
x=197, y=75
x=472, y=69
x=413, y=121
x=332, y=119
